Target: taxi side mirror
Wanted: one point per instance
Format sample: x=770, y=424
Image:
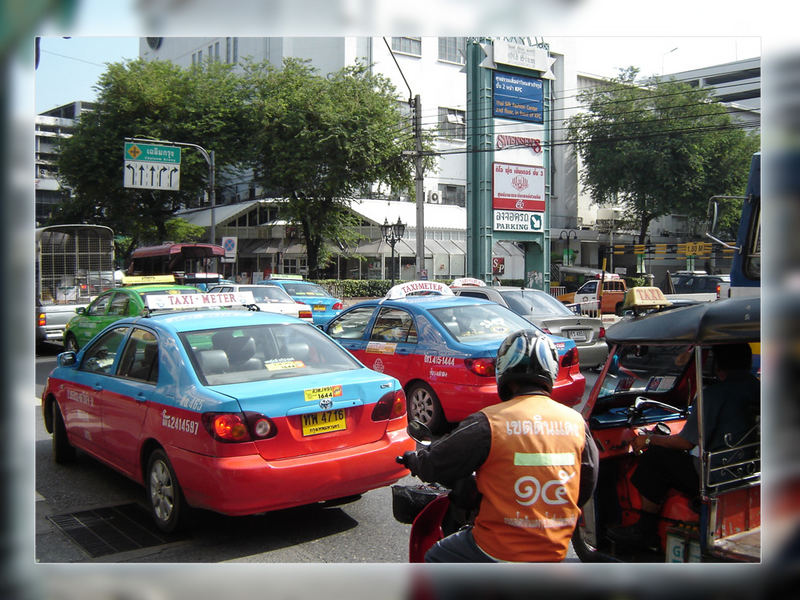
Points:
x=80, y=310
x=66, y=359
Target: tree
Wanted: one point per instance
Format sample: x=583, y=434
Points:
x=320, y=140
x=202, y=105
x=659, y=148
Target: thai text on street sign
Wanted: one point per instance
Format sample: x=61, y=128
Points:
x=151, y=166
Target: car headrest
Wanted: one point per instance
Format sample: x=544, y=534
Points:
x=213, y=361
x=298, y=350
x=241, y=349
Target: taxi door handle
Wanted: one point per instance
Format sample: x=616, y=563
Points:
x=98, y=387
x=403, y=351
x=141, y=397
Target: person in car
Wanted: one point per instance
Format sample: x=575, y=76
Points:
x=731, y=406
x=534, y=461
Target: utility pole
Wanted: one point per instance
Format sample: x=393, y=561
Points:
x=419, y=191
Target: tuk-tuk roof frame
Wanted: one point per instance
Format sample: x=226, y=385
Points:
x=720, y=322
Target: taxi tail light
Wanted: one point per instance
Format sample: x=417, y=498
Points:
x=238, y=427
x=570, y=358
x=338, y=306
x=304, y=314
x=718, y=291
x=602, y=333
x=390, y=406
x=546, y=330
x=483, y=367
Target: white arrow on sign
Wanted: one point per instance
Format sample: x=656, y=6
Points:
x=150, y=175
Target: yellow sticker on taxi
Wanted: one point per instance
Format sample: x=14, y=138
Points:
x=316, y=394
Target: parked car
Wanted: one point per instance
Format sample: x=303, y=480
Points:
x=442, y=348
x=111, y=306
x=233, y=411
x=269, y=298
x=324, y=306
x=549, y=315
x=712, y=286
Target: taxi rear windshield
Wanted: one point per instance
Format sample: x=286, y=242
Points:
x=478, y=323
x=263, y=353
x=304, y=289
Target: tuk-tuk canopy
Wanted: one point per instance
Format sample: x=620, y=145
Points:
x=720, y=322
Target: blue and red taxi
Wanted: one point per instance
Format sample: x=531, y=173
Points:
x=234, y=411
x=323, y=306
x=442, y=348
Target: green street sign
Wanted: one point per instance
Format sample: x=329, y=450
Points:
x=152, y=153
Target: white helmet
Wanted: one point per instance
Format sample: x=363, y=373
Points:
x=528, y=359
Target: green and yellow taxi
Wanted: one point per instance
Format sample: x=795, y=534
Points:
x=114, y=304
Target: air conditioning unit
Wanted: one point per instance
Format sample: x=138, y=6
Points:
x=434, y=197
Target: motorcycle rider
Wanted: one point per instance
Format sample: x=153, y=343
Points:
x=534, y=460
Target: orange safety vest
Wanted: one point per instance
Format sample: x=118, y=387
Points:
x=530, y=480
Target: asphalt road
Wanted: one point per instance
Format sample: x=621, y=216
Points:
x=363, y=531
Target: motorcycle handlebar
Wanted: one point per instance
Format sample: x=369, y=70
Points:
x=400, y=460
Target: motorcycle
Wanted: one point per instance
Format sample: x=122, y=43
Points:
x=432, y=510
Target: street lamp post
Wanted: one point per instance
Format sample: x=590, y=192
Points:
x=568, y=235
x=392, y=234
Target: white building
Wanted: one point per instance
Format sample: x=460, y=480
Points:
x=51, y=127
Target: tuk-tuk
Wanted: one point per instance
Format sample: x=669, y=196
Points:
x=657, y=368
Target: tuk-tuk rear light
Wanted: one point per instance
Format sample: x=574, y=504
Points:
x=42, y=319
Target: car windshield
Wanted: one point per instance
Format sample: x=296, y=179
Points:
x=263, y=353
x=267, y=293
x=646, y=369
x=478, y=323
x=304, y=289
x=532, y=302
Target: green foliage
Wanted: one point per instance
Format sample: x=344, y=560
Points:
x=320, y=140
x=659, y=148
x=356, y=288
x=203, y=105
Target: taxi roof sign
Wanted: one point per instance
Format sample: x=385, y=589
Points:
x=645, y=297
x=418, y=288
x=142, y=279
x=468, y=281
x=184, y=301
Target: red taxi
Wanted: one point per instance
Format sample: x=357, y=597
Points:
x=442, y=348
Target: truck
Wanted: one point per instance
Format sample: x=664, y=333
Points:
x=587, y=300
x=74, y=263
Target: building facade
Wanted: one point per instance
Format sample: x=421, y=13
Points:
x=51, y=127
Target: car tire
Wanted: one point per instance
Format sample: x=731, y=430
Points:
x=423, y=406
x=63, y=451
x=164, y=493
x=70, y=343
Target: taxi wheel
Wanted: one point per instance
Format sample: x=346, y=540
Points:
x=63, y=451
x=70, y=343
x=423, y=406
x=584, y=551
x=164, y=493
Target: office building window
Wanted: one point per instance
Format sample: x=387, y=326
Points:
x=235, y=50
x=453, y=49
x=216, y=51
x=452, y=124
x=453, y=194
x=407, y=45
x=228, y=50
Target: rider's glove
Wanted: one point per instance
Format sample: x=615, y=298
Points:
x=410, y=461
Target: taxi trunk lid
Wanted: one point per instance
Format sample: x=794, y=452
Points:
x=316, y=413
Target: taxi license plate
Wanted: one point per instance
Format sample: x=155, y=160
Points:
x=578, y=336
x=319, y=307
x=324, y=422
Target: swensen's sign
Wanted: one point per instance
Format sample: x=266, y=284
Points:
x=515, y=141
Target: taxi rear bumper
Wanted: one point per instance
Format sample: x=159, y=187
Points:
x=243, y=485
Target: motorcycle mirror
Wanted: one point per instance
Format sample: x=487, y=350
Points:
x=663, y=428
x=613, y=368
x=419, y=432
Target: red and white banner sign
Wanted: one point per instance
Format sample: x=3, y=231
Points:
x=517, y=187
